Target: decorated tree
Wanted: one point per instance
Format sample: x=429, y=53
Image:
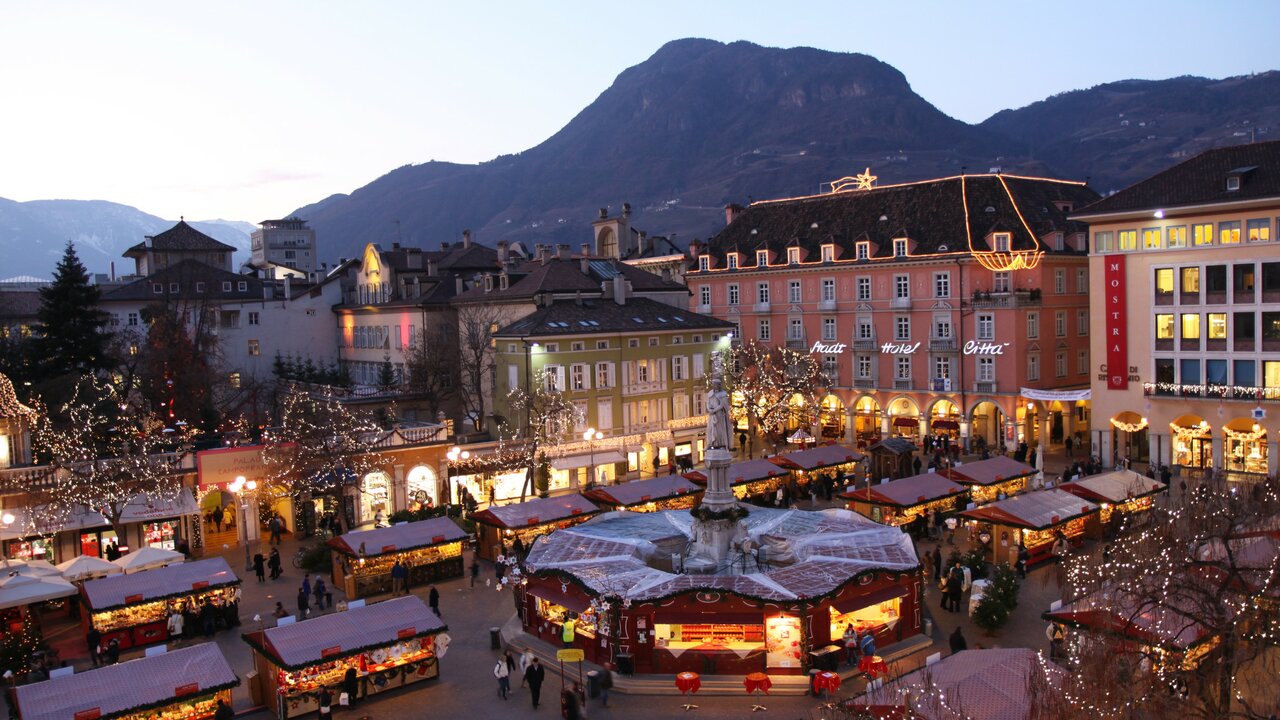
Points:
x=321, y=448
x=764, y=381
x=549, y=418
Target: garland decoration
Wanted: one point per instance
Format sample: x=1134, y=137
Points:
x=346, y=653
x=1129, y=427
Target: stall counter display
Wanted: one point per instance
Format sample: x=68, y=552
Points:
x=133, y=609
x=388, y=644
x=430, y=550
x=178, y=685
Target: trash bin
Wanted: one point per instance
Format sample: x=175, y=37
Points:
x=626, y=663
x=928, y=627
x=593, y=683
x=826, y=657
x=495, y=639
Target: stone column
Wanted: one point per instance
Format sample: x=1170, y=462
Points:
x=1218, y=442
x=850, y=428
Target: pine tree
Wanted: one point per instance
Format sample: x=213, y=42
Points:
x=70, y=328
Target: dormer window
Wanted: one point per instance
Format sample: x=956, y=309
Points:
x=502, y=281
x=1000, y=242
x=1233, y=183
x=704, y=263
x=1065, y=206
x=900, y=247
x=862, y=251
x=828, y=253
x=158, y=288
x=733, y=261
x=1235, y=178
x=488, y=283
x=793, y=256
x=762, y=258
x=242, y=286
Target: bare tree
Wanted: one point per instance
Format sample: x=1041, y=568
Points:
x=550, y=418
x=432, y=365
x=477, y=323
x=762, y=381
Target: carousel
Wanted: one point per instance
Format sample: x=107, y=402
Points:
x=720, y=588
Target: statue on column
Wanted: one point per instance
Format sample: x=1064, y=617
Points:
x=717, y=416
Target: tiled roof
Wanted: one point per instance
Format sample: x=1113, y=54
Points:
x=111, y=591
x=186, y=274
x=181, y=238
x=114, y=689
x=19, y=304
x=939, y=217
x=976, y=684
x=566, y=317
x=565, y=276
x=379, y=624
x=639, y=491
x=743, y=472
x=907, y=491
x=1034, y=510
x=823, y=456
x=1201, y=180
x=990, y=471
x=399, y=538
x=536, y=511
x=1113, y=487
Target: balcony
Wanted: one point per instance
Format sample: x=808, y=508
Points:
x=947, y=345
x=827, y=305
x=1005, y=298
x=902, y=384
x=760, y=307
x=794, y=343
x=704, y=309
x=864, y=383
x=1215, y=392
x=984, y=386
x=865, y=345
x=641, y=388
x=900, y=303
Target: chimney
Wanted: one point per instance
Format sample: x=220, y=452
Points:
x=146, y=241
x=288, y=287
x=644, y=242
x=577, y=298
x=604, y=213
x=417, y=286
x=395, y=246
x=585, y=262
x=413, y=259
x=620, y=290
x=695, y=248
x=544, y=253
x=562, y=250
x=586, y=249
x=431, y=267
x=502, y=252
x=731, y=211
x=458, y=285
x=626, y=210
x=666, y=274
x=444, y=244
x=267, y=291
x=466, y=238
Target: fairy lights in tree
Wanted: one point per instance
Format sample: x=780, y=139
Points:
x=552, y=418
x=764, y=381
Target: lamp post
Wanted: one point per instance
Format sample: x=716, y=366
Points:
x=591, y=436
x=455, y=453
x=244, y=490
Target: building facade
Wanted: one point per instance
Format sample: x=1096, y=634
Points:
x=1186, y=350
x=288, y=242
x=932, y=304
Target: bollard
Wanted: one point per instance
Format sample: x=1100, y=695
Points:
x=495, y=640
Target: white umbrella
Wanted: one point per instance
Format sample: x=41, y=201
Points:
x=18, y=589
x=85, y=567
x=147, y=558
x=36, y=568
x=1040, y=465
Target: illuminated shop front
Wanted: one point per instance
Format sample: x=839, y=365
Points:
x=908, y=500
x=992, y=479
x=1192, y=442
x=831, y=417
x=30, y=548
x=1129, y=437
x=182, y=684
x=421, y=488
x=1118, y=493
x=1245, y=444
x=429, y=550
x=389, y=644
x=866, y=421
x=824, y=459
x=1036, y=520
x=904, y=420
x=944, y=420
x=134, y=608
x=498, y=526
x=375, y=497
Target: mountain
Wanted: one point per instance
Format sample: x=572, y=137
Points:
x=33, y=234
x=1122, y=132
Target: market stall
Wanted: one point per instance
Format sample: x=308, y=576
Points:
x=1157, y=629
x=1121, y=491
x=909, y=500
x=673, y=492
x=989, y=684
x=133, y=608
x=498, y=526
x=991, y=479
x=891, y=458
x=749, y=479
x=1035, y=519
x=430, y=550
x=177, y=685
x=804, y=464
x=388, y=644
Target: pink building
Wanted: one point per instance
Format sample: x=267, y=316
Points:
x=933, y=304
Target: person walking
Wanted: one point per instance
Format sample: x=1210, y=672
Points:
x=259, y=566
x=273, y=562
x=397, y=577
x=208, y=617
x=475, y=569
x=533, y=677
x=1056, y=636
x=937, y=562
x=606, y=683
x=958, y=642
x=306, y=587
x=319, y=591
x=325, y=700
x=277, y=527
x=223, y=711
x=303, y=603
x=112, y=655
x=1023, y=558
x=217, y=518
x=503, y=673
x=174, y=625
x=526, y=659
x=433, y=599
x=571, y=701
x=945, y=585
x=955, y=587
x=93, y=639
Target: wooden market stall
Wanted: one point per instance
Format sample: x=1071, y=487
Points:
x=499, y=525
x=176, y=685
x=825, y=458
x=988, y=479
x=1148, y=623
x=134, y=608
x=891, y=458
x=389, y=645
x=1121, y=491
x=430, y=550
x=1034, y=519
x=749, y=478
x=902, y=502
x=673, y=492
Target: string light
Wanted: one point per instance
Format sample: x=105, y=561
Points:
x=1129, y=427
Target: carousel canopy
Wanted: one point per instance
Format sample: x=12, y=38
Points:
x=148, y=558
x=907, y=491
x=117, y=689
x=399, y=538
x=87, y=566
x=987, y=684
x=1034, y=510
x=990, y=471
x=1113, y=487
x=743, y=472
x=609, y=554
x=18, y=589
x=817, y=458
x=535, y=511
x=171, y=581
x=642, y=491
x=346, y=633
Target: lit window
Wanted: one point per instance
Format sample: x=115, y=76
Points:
x=1176, y=237
x=1229, y=233
x=793, y=256
x=733, y=261
x=1127, y=240
x=1191, y=280
x=1164, y=281
x=1190, y=326
x=862, y=251
x=1151, y=238
x=1164, y=326
x=1217, y=326
x=234, y=380
x=254, y=350
x=1258, y=230
x=828, y=253
x=1202, y=234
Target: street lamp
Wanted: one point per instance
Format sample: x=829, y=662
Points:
x=455, y=453
x=244, y=489
x=591, y=436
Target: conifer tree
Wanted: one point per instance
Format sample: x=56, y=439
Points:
x=70, y=338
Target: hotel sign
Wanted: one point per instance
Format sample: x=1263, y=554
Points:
x=1114, y=304
x=908, y=348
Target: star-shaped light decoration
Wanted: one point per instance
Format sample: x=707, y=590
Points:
x=864, y=180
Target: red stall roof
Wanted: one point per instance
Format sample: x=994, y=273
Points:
x=172, y=581
x=642, y=491
x=817, y=458
x=1121, y=613
x=399, y=538
x=988, y=684
x=740, y=473
x=117, y=689
x=1113, y=487
x=345, y=633
x=536, y=511
x=990, y=471
x=1034, y=510
x=907, y=491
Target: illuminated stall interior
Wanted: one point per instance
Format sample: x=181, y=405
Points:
x=673, y=492
x=181, y=684
x=992, y=478
x=134, y=608
x=1161, y=631
x=901, y=502
x=430, y=550
x=1192, y=442
x=878, y=613
x=389, y=644
x=498, y=526
x=822, y=459
x=1035, y=520
x=1120, y=491
x=749, y=478
x=905, y=421
x=1245, y=447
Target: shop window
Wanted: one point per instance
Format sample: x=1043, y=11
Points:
x=162, y=534
x=873, y=618
x=421, y=488
x=1271, y=373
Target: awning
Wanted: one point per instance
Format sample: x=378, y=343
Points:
x=944, y=424
x=906, y=422
x=602, y=457
x=690, y=617
x=862, y=601
x=563, y=599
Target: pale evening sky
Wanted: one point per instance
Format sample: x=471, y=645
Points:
x=247, y=110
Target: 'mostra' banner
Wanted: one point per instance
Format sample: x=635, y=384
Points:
x=1117, y=341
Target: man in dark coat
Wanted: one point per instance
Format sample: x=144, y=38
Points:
x=350, y=683
x=958, y=642
x=533, y=677
x=433, y=599
x=955, y=587
x=937, y=562
x=304, y=602
x=259, y=566
x=93, y=639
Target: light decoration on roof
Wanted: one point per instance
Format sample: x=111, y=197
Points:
x=862, y=181
x=1002, y=261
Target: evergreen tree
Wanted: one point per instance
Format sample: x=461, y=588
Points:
x=387, y=374
x=70, y=328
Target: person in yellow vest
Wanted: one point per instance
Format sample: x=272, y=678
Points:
x=566, y=633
